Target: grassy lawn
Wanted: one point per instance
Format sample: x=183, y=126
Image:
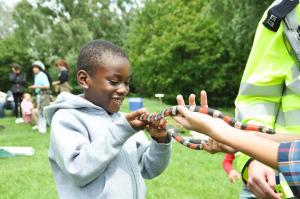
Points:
x=191, y=174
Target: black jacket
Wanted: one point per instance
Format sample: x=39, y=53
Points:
x=18, y=82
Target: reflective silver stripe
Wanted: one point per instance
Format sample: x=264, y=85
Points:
x=256, y=111
x=292, y=19
x=295, y=72
x=290, y=92
x=289, y=118
x=268, y=91
x=290, y=30
x=294, y=86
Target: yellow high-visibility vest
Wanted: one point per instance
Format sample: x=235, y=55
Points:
x=269, y=93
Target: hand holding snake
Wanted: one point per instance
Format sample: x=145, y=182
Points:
x=173, y=111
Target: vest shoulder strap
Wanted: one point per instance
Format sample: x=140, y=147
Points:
x=278, y=12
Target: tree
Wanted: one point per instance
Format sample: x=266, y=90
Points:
x=47, y=29
x=184, y=46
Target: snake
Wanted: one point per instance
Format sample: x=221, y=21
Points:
x=198, y=145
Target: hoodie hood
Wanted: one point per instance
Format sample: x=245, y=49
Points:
x=68, y=101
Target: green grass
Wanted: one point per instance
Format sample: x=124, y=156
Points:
x=191, y=174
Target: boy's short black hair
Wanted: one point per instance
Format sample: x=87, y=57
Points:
x=92, y=54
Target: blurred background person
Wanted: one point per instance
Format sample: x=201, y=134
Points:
x=42, y=91
x=2, y=103
x=18, y=80
x=27, y=107
x=62, y=84
x=232, y=174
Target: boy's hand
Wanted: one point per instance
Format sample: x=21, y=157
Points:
x=158, y=131
x=133, y=120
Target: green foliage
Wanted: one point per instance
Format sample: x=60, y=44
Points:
x=185, y=46
x=47, y=31
x=11, y=52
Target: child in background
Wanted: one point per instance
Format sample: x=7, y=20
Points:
x=96, y=151
x=27, y=106
x=62, y=84
x=232, y=174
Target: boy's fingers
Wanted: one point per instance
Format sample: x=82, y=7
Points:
x=162, y=123
x=133, y=115
x=180, y=100
x=203, y=97
x=192, y=101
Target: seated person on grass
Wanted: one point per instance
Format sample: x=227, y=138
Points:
x=96, y=151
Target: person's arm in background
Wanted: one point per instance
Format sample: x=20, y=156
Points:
x=227, y=162
x=63, y=77
x=233, y=175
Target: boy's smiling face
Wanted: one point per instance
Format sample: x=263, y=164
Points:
x=109, y=84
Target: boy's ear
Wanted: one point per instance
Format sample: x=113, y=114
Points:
x=83, y=79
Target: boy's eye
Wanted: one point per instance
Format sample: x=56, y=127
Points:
x=113, y=82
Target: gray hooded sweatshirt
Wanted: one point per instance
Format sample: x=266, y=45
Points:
x=97, y=155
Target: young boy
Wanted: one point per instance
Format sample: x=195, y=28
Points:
x=95, y=151
x=280, y=151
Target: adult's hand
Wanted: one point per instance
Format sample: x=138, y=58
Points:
x=212, y=146
x=180, y=101
x=192, y=101
x=261, y=181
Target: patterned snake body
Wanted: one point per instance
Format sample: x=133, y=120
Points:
x=172, y=111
